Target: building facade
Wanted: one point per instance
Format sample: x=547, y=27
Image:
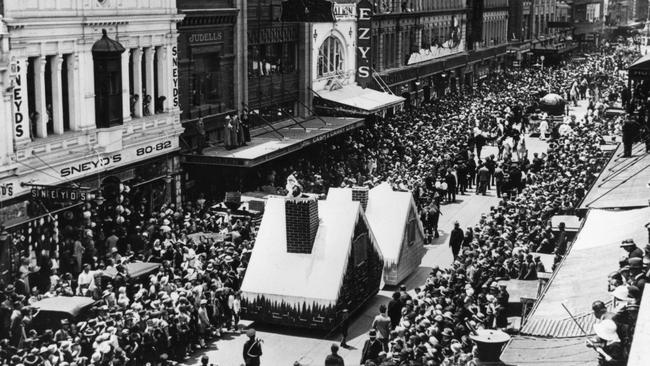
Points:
x=94, y=94
x=209, y=79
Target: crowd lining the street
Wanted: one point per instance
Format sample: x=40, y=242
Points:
x=434, y=150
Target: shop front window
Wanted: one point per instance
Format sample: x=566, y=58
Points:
x=269, y=59
x=330, y=57
x=210, y=83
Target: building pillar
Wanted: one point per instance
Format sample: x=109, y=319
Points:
x=40, y=104
x=87, y=91
x=149, y=78
x=72, y=65
x=162, y=76
x=241, y=57
x=6, y=130
x=126, y=96
x=57, y=93
x=400, y=47
x=137, y=81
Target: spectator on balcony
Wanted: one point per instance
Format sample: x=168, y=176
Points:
x=146, y=105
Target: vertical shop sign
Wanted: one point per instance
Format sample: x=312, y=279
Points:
x=364, y=13
x=175, y=101
x=19, y=105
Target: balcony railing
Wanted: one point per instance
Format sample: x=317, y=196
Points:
x=60, y=146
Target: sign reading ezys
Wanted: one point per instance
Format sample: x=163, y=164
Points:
x=364, y=13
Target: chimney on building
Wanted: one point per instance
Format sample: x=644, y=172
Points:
x=302, y=223
x=360, y=194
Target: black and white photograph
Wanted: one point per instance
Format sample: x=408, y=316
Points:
x=324, y=182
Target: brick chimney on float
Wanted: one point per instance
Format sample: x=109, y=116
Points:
x=360, y=194
x=302, y=223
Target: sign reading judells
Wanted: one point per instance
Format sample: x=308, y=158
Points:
x=364, y=13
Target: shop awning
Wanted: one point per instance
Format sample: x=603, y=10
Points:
x=640, y=69
x=354, y=100
x=270, y=144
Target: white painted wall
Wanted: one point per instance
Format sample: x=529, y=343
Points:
x=346, y=32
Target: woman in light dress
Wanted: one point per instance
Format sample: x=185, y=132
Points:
x=543, y=129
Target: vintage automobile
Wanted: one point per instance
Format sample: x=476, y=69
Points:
x=54, y=309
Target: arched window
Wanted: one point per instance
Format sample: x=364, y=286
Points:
x=330, y=57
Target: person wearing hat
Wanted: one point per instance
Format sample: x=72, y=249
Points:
x=334, y=359
x=632, y=250
x=637, y=277
x=64, y=332
x=203, y=322
x=345, y=324
x=456, y=239
x=607, y=344
x=252, y=349
x=371, y=348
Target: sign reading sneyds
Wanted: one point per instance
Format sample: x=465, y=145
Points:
x=58, y=194
x=19, y=105
x=364, y=13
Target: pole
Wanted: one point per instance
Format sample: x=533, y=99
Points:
x=598, y=349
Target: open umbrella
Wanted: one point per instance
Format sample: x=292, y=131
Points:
x=552, y=99
x=552, y=104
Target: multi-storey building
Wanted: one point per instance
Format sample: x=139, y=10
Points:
x=539, y=28
x=589, y=19
x=94, y=94
x=419, y=48
x=491, y=39
x=640, y=10
x=422, y=49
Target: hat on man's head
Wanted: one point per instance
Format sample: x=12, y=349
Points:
x=635, y=262
x=606, y=330
x=627, y=243
x=621, y=293
x=372, y=333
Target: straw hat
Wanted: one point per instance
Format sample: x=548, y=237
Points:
x=621, y=293
x=606, y=330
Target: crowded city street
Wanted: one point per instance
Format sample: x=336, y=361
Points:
x=189, y=182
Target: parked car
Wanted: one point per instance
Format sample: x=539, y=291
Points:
x=54, y=309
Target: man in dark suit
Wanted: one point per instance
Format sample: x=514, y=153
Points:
x=483, y=178
x=371, y=348
x=334, y=359
x=252, y=349
x=456, y=239
x=395, y=310
x=630, y=130
x=450, y=179
x=461, y=172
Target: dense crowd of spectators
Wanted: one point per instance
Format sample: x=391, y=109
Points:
x=433, y=327
x=434, y=150
x=162, y=316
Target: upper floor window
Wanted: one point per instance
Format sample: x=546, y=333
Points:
x=330, y=57
x=108, y=81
